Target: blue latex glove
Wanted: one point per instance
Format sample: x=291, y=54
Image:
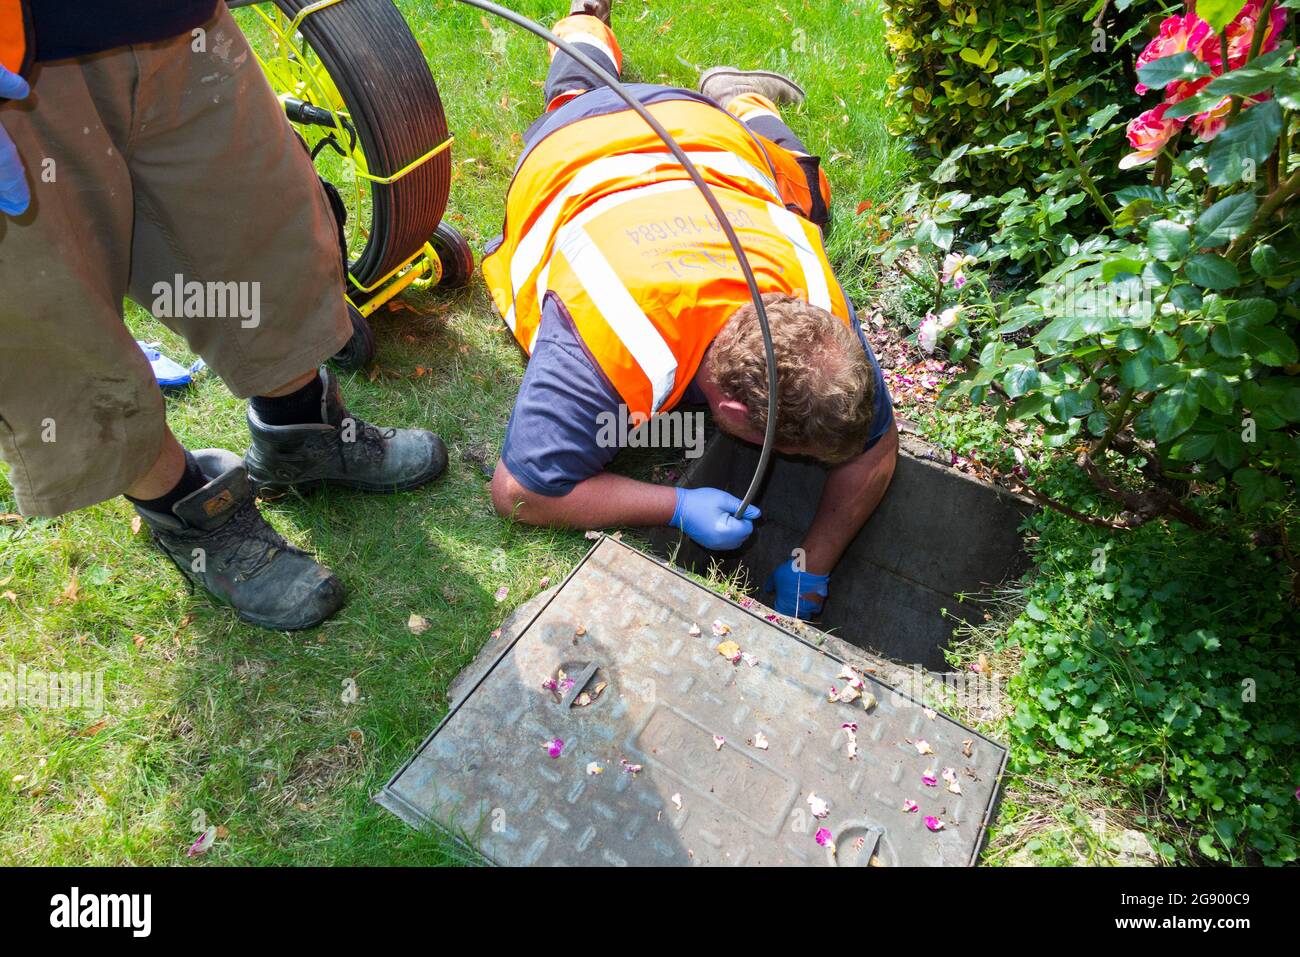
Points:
x=14, y=195
x=708, y=516
x=798, y=594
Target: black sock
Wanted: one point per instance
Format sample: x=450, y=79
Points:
x=191, y=480
x=296, y=408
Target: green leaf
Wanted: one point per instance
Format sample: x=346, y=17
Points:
x=1137, y=371
x=1214, y=391
x=1174, y=411
x=1181, y=66
x=1238, y=152
x=1020, y=379
x=1212, y=271
x=1288, y=91
x=1264, y=259
x=1219, y=13
x=1168, y=240
x=1252, y=312
x=1272, y=346
x=1225, y=220
x=1121, y=266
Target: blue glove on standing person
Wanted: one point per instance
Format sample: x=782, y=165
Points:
x=14, y=195
x=708, y=516
x=798, y=594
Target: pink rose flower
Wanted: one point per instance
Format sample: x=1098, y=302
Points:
x=1148, y=135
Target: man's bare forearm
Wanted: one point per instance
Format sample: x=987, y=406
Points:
x=853, y=492
x=602, y=501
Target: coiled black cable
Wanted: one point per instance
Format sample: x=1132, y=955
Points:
x=383, y=77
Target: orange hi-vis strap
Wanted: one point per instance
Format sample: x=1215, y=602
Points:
x=589, y=31
x=602, y=216
x=598, y=156
x=17, y=46
x=649, y=280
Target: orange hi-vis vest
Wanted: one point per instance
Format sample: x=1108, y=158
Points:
x=16, y=47
x=601, y=216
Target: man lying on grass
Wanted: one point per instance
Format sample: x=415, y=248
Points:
x=619, y=284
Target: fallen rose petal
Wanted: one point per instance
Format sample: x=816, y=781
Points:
x=934, y=824
x=819, y=807
x=923, y=747
x=718, y=742
x=910, y=807
x=554, y=748
x=749, y=659
x=695, y=631
x=677, y=801
x=500, y=596
x=205, y=841
x=629, y=768
x=929, y=779
x=825, y=838
x=760, y=741
x=594, y=768
x=720, y=628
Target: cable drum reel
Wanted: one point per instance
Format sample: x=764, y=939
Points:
x=383, y=147
x=404, y=152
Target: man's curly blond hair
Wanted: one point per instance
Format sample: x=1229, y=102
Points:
x=825, y=386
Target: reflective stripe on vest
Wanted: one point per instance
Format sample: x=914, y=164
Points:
x=603, y=218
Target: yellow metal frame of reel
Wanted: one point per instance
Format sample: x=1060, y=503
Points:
x=423, y=266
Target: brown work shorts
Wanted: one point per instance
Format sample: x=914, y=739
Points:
x=166, y=172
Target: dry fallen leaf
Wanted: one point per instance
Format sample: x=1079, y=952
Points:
x=417, y=624
x=94, y=729
x=139, y=640
x=966, y=747
x=71, y=591
x=923, y=747
x=729, y=650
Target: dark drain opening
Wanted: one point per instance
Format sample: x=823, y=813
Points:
x=938, y=535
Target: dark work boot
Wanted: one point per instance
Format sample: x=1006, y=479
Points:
x=341, y=450
x=723, y=84
x=592, y=8
x=221, y=543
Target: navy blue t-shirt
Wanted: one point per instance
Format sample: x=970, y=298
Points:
x=68, y=28
x=551, y=443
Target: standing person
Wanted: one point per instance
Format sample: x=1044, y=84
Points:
x=626, y=296
x=143, y=154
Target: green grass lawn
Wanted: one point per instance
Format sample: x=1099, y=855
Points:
x=209, y=721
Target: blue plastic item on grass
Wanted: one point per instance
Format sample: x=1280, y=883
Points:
x=169, y=373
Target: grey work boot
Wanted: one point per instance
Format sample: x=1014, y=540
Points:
x=723, y=84
x=220, y=542
x=592, y=8
x=341, y=450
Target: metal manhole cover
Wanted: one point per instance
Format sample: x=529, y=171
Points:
x=620, y=626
